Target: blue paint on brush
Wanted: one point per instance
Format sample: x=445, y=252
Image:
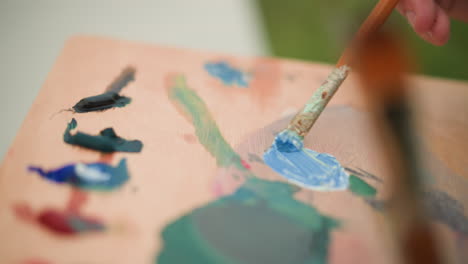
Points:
x=288, y=141
x=227, y=74
x=91, y=176
x=305, y=167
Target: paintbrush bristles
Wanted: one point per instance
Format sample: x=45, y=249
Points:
x=305, y=119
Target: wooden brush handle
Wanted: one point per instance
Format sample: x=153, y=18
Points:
x=305, y=119
x=374, y=21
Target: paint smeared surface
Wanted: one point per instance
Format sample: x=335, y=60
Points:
x=110, y=98
x=107, y=140
x=92, y=176
x=227, y=74
x=260, y=222
x=305, y=167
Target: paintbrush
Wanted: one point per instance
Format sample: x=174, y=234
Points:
x=382, y=65
x=291, y=139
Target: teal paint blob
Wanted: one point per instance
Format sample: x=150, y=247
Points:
x=305, y=167
x=360, y=187
x=227, y=74
x=260, y=223
x=92, y=176
x=107, y=141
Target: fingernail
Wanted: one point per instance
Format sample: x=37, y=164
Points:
x=410, y=15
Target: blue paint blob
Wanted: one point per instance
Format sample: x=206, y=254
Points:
x=227, y=74
x=305, y=167
x=288, y=141
x=91, y=176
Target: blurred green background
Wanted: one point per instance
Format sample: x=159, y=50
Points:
x=311, y=29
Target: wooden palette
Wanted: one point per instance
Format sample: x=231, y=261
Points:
x=199, y=191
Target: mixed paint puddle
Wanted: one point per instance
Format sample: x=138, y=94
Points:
x=260, y=223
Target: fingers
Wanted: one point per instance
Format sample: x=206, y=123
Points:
x=440, y=31
x=457, y=9
x=428, y=20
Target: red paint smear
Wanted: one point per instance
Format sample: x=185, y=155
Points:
x=245, y=164
x=51, y=219
x=55, y=221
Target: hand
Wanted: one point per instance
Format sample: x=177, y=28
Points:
x=431, y=18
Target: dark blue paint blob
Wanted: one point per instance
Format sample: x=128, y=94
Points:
x=227, y=74
x=101, y=102
x=92, y=176
x=110, y=98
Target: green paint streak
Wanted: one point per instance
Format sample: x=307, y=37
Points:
x=205, y=127
x=107, y=141
x=360, y=187
x=260, y=223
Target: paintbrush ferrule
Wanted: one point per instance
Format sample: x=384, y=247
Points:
x=306, y=117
